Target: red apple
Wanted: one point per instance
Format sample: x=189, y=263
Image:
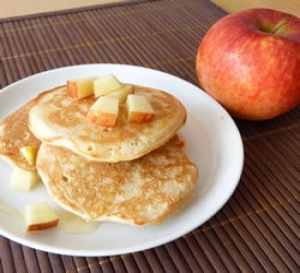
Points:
x=250, y=62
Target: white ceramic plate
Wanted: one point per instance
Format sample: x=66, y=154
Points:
x=213, y=143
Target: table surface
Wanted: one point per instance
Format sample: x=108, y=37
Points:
x=290, y=6
x=13, y=8
x=257, y=230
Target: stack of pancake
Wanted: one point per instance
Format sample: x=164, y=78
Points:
x=132, y=173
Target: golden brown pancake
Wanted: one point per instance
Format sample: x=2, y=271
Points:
x=14, y=134
x=143, y=191
x=60, y=120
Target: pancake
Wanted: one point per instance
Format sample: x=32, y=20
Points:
x=60, y=120
x=14, y=134
x=143, y=191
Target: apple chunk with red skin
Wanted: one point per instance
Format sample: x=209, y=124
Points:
x=80, y=88
x=139, y=109
x=40, y=216
x=104, y=111
x=250, y=62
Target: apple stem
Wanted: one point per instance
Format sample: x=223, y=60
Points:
x=279, y=26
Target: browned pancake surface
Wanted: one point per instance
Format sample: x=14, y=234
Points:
x=14, y=134
x=62, y=121
x=139, y=192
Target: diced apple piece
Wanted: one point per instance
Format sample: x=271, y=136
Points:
x=80, y=88
x=104, y=111
x=29, y=152
x=23, y=180
x=122, y=92
x=139, y=109
x=40, y=216
x=106, y=84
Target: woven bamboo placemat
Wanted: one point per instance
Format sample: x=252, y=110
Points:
x=257, y=230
